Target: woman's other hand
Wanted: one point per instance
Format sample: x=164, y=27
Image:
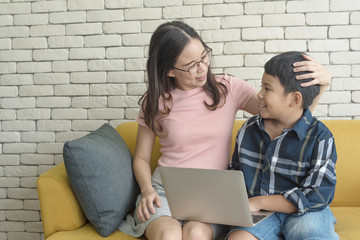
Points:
x=146, y=205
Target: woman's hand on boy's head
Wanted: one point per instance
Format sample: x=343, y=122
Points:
x=320, y=75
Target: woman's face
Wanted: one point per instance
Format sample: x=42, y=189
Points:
x=193, y=57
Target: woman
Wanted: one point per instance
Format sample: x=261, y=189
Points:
x=192, y=111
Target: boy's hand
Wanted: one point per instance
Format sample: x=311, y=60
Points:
x=146, y=205
x=255, y=204
x=274, y=203
x=320, y=75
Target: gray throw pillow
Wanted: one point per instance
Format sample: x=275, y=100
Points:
x=99, y=167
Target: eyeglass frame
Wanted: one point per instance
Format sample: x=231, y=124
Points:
x=208, y=50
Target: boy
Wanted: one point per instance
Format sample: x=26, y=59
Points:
x=288, y=159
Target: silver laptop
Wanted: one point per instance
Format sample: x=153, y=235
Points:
x=212, y=196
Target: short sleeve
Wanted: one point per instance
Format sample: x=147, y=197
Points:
x=140, y=119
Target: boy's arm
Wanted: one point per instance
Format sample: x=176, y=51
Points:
x=317, y=189
x=234, y=161
x=273, y=203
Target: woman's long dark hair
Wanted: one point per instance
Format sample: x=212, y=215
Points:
x=166, y=44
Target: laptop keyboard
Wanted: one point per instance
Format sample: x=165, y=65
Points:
x=258, y=217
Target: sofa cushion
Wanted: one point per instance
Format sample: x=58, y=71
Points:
x=347, y=225
x=99, y=167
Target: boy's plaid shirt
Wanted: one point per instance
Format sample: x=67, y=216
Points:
x=299, y=164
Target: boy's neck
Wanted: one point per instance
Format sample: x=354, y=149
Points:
x=274, y=127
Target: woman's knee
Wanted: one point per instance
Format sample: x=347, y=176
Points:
x=164, y=228
x=197, y=231
x=169, y=234
x=241, y=235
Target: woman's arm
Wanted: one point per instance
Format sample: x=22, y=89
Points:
x=141, y=165
x=320, y=75
x=252, y=105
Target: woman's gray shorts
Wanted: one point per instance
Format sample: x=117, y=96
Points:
x=132, y=225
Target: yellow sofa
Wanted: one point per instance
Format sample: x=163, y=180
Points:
x=63, y=219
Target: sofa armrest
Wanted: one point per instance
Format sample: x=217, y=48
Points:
x=60, y=209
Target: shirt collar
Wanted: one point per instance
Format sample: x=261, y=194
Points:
x=301, y=127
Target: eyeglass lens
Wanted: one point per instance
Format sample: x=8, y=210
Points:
x=195, y=67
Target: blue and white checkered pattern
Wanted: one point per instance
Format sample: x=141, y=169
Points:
x=299, y=164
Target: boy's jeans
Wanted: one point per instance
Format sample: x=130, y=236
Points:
x=310, y=226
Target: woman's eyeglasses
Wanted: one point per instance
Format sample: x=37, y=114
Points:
x=195, y=67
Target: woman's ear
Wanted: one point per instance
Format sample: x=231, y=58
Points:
x=296, y=98
x=171, y=73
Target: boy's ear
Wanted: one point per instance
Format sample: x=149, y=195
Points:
x=171, y=73
x=296, y=99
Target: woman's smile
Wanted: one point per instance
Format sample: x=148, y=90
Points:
x=202, y=78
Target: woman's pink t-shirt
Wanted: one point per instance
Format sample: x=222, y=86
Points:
x=196, y=136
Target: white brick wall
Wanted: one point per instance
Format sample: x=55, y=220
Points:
x=68, y=66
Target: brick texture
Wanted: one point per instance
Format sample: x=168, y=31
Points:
x=68, y=66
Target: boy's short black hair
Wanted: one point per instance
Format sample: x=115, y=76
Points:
x=281, y=66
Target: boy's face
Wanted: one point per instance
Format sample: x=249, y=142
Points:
x=274, y=104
